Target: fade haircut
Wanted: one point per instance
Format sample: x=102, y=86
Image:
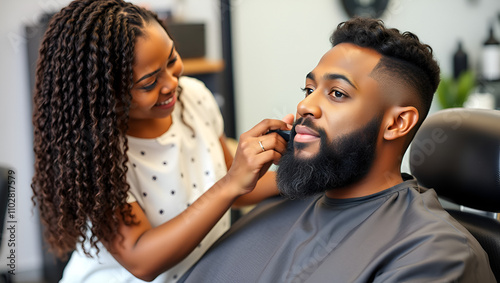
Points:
x=404, y=57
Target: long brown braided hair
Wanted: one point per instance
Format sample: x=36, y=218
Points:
x=81, y=104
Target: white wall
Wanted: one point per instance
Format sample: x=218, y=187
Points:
x=16, y=149
x=277, y=42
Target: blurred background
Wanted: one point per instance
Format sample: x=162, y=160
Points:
x=253, y=55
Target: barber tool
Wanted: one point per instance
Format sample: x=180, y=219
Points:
x=284, y=134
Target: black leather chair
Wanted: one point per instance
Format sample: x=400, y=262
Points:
x=457, y=152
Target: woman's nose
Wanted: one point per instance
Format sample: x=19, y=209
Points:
x=169, y=82
x=310, y=105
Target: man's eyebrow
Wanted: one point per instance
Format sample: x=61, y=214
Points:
x=310, y=76
x=157, y=70
x=339, y=77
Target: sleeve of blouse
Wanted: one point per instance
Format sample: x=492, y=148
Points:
x=132, y=181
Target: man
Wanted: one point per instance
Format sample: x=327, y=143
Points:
x=355, y=217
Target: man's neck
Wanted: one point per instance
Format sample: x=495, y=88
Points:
x=372, y=183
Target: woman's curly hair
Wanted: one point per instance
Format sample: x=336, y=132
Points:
x=81, y=104
x=404, y=56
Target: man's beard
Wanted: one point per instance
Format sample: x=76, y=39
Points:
x=339, y=163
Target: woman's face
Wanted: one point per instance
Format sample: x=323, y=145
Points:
x=156, y=71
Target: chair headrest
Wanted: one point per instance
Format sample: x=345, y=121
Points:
x=457, y=152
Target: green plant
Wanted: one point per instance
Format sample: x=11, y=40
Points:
x=454, y=92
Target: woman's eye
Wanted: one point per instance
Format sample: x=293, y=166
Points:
x=150, y=86
x=172, y=62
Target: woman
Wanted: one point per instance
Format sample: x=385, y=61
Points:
x=131, y=161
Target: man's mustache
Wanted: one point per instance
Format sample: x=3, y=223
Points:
x=307, y=122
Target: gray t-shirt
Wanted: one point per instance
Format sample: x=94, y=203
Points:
x=401, y=234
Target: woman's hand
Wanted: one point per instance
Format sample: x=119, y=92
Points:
x=257, y=150
x=147, y=252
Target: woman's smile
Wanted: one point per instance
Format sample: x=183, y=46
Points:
x=167, y=103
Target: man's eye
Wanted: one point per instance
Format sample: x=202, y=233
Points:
x=307, y=90
x=338, y=94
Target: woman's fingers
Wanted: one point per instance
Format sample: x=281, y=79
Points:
x=265, y=139
x=289, y=118
x=265, y=126
x=272, y=141
x=257, y=150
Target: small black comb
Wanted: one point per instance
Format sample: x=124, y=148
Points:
x=284, y=134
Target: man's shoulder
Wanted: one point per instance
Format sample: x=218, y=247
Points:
x=275, y=213
x=243, y=250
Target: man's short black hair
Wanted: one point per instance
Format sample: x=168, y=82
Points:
x=404, y=56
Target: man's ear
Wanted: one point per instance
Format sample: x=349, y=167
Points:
x=401, y=120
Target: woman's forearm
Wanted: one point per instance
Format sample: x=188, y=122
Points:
x=147, y=252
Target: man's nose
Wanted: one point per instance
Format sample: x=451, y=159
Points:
x=310, y=106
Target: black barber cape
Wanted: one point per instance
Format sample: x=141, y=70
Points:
x=401, y=234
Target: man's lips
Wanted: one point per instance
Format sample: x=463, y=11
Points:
x=305, y=134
